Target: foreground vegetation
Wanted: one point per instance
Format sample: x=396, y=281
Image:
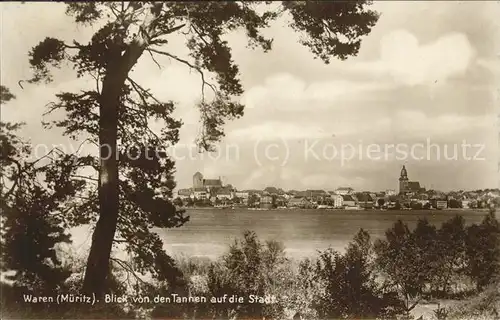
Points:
x=382, y=279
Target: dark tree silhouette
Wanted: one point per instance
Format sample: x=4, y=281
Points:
x=351, y=290
x=381, y=202
x=5, y=95
x=178, y=202
x=395, y=260
x=131, y=194
x=252, y=200
x=31, y=223
x=451, y=248
x=483, y=251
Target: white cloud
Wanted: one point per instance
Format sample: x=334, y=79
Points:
x=410, y=63
x=491, y=65
x=257, y=176
x=264, y=176
x=288, y=92
x=414, y=124
x=316, y=180
x=278, y=130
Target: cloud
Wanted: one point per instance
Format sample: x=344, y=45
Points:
x=286, y=91
x=278, y=130
x=491, y=65
x=409, y=62
x=261, y=177
x=417, y=124
x=315, y=180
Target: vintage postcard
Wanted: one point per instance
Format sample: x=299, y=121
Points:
x=250, y=160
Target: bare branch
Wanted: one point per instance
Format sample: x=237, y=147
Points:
x=128, y=268
x=145, y=92
x=74, y=46
x=115, y=12
x=175, y=29
x=48, y=155
x=140, y=91
x=53, y=106
x=155, y=37
x=201, y=36
x=190, y=65
x=97, y=79
x=154, y=60
x=81, y=144
x=84, y=177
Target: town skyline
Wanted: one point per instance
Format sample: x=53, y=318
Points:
x=410, y=195
x=396, y=185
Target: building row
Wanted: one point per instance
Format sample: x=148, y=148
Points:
x=411, y=194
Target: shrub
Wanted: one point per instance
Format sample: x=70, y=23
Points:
x=483, y=251
x=251, y=268
x=451, y=254
x=248, y=268
x=350, y=289
x=395, y=260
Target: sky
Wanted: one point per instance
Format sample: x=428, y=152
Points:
x=426, y=82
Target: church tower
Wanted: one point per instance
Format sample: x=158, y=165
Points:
x=403, y=181
x=197, y=180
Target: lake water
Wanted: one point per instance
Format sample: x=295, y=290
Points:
x=303, y=232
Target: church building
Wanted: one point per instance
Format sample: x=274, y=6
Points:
x=406, y=186
x=205, y=184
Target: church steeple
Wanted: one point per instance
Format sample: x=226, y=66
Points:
x=404, y=174
x=403, y=181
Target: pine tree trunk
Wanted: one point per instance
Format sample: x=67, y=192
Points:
x=108, y=192
x=102, y=239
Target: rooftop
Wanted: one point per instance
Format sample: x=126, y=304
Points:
x=348, y=198
x=212, y=182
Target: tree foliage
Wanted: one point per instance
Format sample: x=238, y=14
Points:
x=31, y=215
x=396, y=260
x=439, y=262
x=483, y=251
x=30, y=228
x=250, y=267
x=350, y=288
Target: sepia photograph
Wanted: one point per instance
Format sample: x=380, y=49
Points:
x=250, y=160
